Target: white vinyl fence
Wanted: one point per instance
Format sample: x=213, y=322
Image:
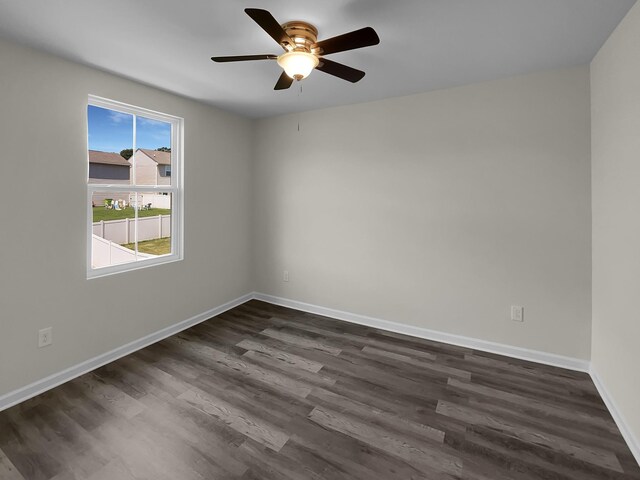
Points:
x=105, y=252
x=123, y=231
x=155, y=199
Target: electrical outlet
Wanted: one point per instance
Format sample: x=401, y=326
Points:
x=517, y=313
x=45, y=337
x=285, y=276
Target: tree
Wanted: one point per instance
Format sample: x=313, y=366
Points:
x=163, y=149
x=127, y=153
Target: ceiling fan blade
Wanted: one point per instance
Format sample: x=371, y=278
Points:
x=284, y=82
x=365, y=37
x=339, y=70
x=270, y=25
x=243, y=58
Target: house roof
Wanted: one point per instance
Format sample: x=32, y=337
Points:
x=161, y=158
x=107, y=158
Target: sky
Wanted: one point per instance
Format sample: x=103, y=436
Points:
x=111, y=131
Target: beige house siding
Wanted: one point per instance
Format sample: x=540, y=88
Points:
x=147, y=170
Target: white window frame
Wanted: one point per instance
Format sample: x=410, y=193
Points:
x=176, y=189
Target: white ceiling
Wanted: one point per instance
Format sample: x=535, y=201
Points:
x=425, y=44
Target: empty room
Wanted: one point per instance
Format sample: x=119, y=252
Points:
x=355, y=239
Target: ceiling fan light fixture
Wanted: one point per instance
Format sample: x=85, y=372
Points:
x=303, y=52
x=298, y=65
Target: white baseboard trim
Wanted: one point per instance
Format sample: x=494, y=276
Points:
x=20, y=395
x=468, y=342
x=627, y=434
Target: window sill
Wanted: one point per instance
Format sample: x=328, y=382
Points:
x=128, y=267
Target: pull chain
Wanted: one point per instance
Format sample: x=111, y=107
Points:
x=299, y=100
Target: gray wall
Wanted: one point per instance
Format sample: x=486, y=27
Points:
x=615, y=99
x=43, y=103
x=437, y=210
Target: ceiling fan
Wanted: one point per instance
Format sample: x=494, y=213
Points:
x=303, y=53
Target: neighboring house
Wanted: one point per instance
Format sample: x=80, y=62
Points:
x=109, y=168
x=152, y=167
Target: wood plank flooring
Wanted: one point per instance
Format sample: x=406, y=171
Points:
x=265, y=392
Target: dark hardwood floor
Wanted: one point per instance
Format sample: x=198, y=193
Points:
x=264, y=392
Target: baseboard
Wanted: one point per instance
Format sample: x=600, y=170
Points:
x=476, y=344
x=20, y=395
x=468, y=342
x=627, y=434
x=40, y=386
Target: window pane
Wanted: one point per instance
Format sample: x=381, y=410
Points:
x=154, y=224
x=113, y=229
x=153, y=152
x=110, y=146
x=130, y=164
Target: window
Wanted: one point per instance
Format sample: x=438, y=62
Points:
x=134, y=203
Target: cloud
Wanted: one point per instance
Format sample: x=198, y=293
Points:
x=147, y=122
x=117, y=117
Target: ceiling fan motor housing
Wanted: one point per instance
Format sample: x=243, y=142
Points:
x=302, y=58
x=303, y=34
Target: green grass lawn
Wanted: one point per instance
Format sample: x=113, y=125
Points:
x=101, y=213
x=159, y=246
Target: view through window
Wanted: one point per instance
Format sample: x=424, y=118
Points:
x=133, y=187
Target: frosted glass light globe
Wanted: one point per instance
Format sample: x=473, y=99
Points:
x=298, y=65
